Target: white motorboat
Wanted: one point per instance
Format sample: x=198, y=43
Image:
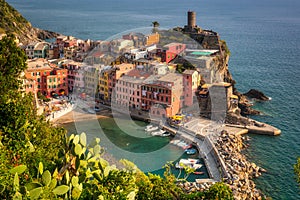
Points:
x=158, y=133
x=166, y=134
x=151, y=128
x=193, y=163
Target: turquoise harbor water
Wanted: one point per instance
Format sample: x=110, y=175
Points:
x=264, y=39
x=126, y=140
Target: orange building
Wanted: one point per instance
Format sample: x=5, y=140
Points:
x=151, y=39
x=49, y=78
x=162, y=95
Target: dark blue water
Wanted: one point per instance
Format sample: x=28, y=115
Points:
x=264, y=39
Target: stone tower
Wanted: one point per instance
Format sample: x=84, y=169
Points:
x=191, y=19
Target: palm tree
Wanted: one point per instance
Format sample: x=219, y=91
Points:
x=155, y=24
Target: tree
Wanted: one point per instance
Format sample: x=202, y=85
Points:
x=25, y=138
x=12, y=64
x=155, y=24
x=219, y=191
x=297, y=170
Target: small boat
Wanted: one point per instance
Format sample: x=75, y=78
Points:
x=188, y=146
x=197, y=166
x=158, y=133
x=198, y=173
x=151, y=128
x=190, y=151
x=166, y=134
x=148, y=127
x=193, y=160
x=193, y=163
x=181, y=144
x=175, y=142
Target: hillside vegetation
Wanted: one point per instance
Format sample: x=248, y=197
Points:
x=12, y=22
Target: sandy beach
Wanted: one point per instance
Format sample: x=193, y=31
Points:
x=80, y=115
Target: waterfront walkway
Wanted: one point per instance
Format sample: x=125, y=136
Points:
x=205, y=151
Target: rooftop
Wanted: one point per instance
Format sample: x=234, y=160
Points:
x=173, y=44
x=170, y=77
x=138, y=73
x=38, y=64
x=40, y=46
x=189, y=71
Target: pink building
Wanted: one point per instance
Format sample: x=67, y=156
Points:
x=75, y=75
x=128, y=89
x=191, y=80
x=170, y=51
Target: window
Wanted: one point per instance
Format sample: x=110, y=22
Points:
x=38, y=80
x=138, y=93
x=167, y=99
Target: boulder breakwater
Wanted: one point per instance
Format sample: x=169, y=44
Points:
x=240, y=171
x=236, y=170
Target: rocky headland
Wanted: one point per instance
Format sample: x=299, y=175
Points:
x=12, y=22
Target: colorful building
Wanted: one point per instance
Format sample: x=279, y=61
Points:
x=104, y=83
x=127, y=92
x=170, y=51
x=49, y=77
x=37, y=50
x=161, y=95
x=75, y=74
x=91, y=79
x=191, y=81
x=151, y=39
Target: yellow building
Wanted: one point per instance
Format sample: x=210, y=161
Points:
x=103, y=83
x=152, y=39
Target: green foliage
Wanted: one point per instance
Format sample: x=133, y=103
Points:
x=25, y=138
x=219, y=191
x=11, y=21
x=183, y=66
x=155, y=24
x=225, y=47
x=12, y=64
x=42, y=97
x=297, y=170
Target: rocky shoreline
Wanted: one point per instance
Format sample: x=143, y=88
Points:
x=240, y=171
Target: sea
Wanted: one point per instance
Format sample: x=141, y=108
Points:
x=263, y=37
